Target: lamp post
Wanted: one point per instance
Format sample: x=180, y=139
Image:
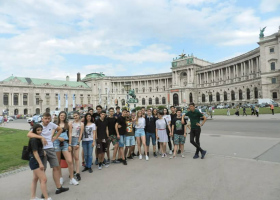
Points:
x=41, y=102
x=127, y=87
x=210, y=97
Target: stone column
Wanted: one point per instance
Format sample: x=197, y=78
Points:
x=222, y=71
x=249, y=63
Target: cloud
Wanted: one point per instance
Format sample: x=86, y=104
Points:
x=269, y=5
x=108, y=69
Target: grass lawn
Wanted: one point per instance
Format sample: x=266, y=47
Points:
x=248, y=111
x=11, y=143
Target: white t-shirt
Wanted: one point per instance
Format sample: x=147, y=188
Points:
x=88, y=132
x=47, y=134
x=167, y=118
x=141, y=123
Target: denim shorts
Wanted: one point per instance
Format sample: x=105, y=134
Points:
x=139, y=132
x=74, y=141
x=148, y=136
x=121, y=140
x=129, y=141
x=33, y=164
x=60, y=146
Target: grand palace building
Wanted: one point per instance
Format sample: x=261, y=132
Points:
x=242, y=79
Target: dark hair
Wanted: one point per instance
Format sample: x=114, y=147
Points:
x=34, y=128
x=90, y=109
x=103, y=111
x=124, y=109
x=191, y=104
x=178, y=109
x=98, y=106
x=160, y=112
x=143, y=107
x=154, y=110
x=76, y=112
x=46, y=114
x=85, y=119
x=166, y=110
x=66, y=125
x=118, y=107
x=172, y=107
x=112, y=108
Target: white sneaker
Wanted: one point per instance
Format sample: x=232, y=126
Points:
x=73, y=182
x=36, y=198
x=49, y=198
x=170, y=152
x=171, y=157
x=183, y=156
x=162, y=155
x=140, y=157
x=61, y=181
x=147, y=158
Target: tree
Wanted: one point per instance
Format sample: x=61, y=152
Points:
x=138, y=108
x=161, y=107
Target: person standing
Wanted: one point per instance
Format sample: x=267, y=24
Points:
x=88, y=142
x=252, y=110
x=210, y=109
x=121, y=131
x=96, y=116
x=140, y=124
x=47, y=140
x=257, y=111
x=195, y=116
x=150, y=130
x=179, y=132
x=228, y=112
x=130, y=135
x=237, y=111
x=118, y=112
x=112, y=120
x=244, y=111
x=161, y=133
x=76, y=129
x=167, y=118
x=272, y=108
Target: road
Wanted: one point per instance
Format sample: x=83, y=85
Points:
x=242, y=163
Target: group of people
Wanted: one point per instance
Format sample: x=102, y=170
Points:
x=49, y=141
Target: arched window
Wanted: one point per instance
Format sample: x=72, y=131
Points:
x=163, y=100
x=248, y=93
x=203, y=97
x=150, y=101
x=210, y=98
x=256, y=93
x=272, y=66
x=6, y=99
x=143, y=101
x=123, y=102
x=217, y=96
x=15, y=99
x=16, y=112
x=225, y=96
x=157, y=100
x=25, y=111
x=232, y=95
x=37, y=111
x=240, y=94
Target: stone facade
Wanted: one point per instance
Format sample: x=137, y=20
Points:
x=242, y=79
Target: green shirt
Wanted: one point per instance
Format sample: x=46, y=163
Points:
x=195, y=118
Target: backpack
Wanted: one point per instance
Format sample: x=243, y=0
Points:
x=25, y=153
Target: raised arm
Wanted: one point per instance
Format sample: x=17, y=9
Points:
x=59, y=131
x=30, y=134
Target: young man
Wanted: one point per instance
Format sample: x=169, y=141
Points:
x=179, y=132
x=121, y=131
x=195, y=116
x=102, y=138
x=112, y=135
x=96, y=117
x=118, y=112
x=130, y=135
x=173, y=113
x=244, y=111
x=47, y=140
x=150, y=130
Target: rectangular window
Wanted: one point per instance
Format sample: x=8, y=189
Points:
x=47, y=94
x=271, y=50
x=16, y=99
x=272, y=66
x=273, y=80
x=25, y=100
x=88, y=100
x=37, y=94
x=274, y=95
x=6, y=99
x=37, y=101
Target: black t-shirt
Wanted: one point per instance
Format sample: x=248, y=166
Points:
x=173, y=116
x=96, y=116
x=122, y=121
x=101, y=128
x=111, y=125
x=178, y=126
x=36, y=145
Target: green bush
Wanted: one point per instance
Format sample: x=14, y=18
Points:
x=138, y=108
x=161, y=107
x=149, y=107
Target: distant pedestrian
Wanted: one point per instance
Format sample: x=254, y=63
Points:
x=272, y=108
x=257, y=111
x=228, y=112
x=210, y=111
x=5, y=120
x=237, y=111
x=252, y=111
x=244, y=111
x=1, y=120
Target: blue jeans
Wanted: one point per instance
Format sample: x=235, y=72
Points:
x=148, y=136
x=87, y=146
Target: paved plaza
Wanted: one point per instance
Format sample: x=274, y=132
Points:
x=242, y=163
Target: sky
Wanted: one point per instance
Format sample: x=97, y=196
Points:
x=52, y=39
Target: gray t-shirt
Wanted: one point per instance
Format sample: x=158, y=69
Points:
x=160, y=124
x=88, y=132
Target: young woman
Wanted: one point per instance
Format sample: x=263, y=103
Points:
x=61, y=145
x=154, y=113
x=167, y=118
x=88, y=142
x=76, y=128
x=161, y=133
x=140, y=133
x=37, y=163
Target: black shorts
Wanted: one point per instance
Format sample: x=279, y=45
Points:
x=33, y=164
x=102, y=145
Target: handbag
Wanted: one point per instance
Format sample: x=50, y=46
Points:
x=167, y=129
x=25, y=153
x=63, y=163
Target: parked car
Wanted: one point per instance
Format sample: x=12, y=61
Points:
x=204, y=112
x=220, y=107
x=10, y=119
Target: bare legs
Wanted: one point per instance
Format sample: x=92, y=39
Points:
x=39, y=174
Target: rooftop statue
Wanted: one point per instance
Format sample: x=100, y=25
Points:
x=261, y=32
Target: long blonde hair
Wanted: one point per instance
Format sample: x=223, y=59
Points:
x=137, y=117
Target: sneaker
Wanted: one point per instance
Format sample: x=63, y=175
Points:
x=120, y=160
x=195, y=156
x=203, y=153
x=108, y=161
x=162, y=155
x=73, y=182
x=78, y=176
x=61, y=181
x=140, y=157
x=60, y=190
x=100, y=166
x=179, y=151
x=183, y=156
x=115, y=161
x=124, y=162
x=90, y=170
x=130, y=157
x=165, y=155
x=96, y=161
x=155, y=154
x=171, y=157
x=170, y=152
x=133, y=154
x=104, y=161
x=106, y=165
x=36, y=198
x=49, y=198
x=147, y=158
x=85, y=169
